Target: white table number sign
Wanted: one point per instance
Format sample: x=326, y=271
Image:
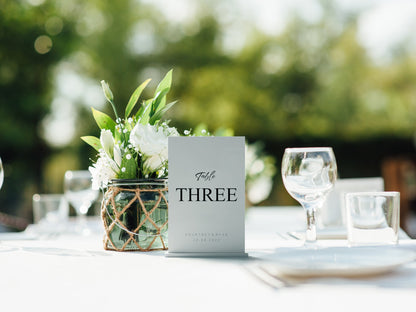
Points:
x=206, y=196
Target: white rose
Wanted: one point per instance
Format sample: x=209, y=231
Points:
x=149, y=140
x=153, y=163
x=152, y=143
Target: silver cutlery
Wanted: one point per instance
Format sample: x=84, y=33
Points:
x=271, y=280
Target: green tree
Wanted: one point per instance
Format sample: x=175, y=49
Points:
x=32, y=40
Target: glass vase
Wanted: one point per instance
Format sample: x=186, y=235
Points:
x=135, y=215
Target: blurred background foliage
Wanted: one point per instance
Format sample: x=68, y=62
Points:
x=313, y=83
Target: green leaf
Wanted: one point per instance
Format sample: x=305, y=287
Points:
x=103, y=120
x=159, y=101
x=166, y=83
x=130, y=166
x=145, y=113
x=140, y=111
x=93, y=141
x=158, y=115
x=135, y=97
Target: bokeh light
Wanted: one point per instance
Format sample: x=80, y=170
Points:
x=54, y=25
x=43, y=44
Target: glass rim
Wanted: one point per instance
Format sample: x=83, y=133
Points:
x=158, y=181
x=308, y=149
x=47, y=196
x=370, y=193
x=78, y=173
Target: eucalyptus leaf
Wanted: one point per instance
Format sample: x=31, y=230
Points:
x=93, y=141
x=103, y=120
x=135, y=97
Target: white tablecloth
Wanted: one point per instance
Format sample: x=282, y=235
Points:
x=74, y=273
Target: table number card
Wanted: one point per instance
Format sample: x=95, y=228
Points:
x=206, y=196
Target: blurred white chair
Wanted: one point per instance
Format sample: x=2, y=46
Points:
x=332, y=213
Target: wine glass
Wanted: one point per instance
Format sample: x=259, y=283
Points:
x=2, y=247
x=1, y=174
x=309, y=175
x=79, y=193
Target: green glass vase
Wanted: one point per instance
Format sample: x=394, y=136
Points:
x=135, y=215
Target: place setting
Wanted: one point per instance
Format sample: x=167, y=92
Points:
x=369, y=244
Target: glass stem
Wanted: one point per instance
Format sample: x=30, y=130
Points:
x=82, y=218
x=310, y=237
x=83, y=228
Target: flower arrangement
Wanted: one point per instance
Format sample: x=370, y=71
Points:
x=260, y=171
x=134, y=146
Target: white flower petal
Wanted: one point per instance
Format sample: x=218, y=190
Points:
x=102, y=171
x=107, y=142
x=148, y=139
x=117, y=155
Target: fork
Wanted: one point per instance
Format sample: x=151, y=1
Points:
x=261, y=274
x=287, y=236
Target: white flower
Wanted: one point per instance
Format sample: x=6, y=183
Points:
x=102, y=171
x=107, y=91
x=259, y=174
x=153, y=163
x=111, y=149
x=170, y=131
x=117, y=155
x=107, y=142
x=149, y=140
x=152, y=143
x=259, y=189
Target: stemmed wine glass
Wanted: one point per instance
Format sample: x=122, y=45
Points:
x=2, y=247
x=309, y=175
x=1, y=174
x=79, y=193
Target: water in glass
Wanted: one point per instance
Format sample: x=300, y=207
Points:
x=309, y=175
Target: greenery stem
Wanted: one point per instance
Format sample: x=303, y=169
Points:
x=114, y=109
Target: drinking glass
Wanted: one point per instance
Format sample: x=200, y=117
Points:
x=2, y=247
x=50, y=209
x=1, y=174
x=373, y=217
x=79, y=193
x=308, y=175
